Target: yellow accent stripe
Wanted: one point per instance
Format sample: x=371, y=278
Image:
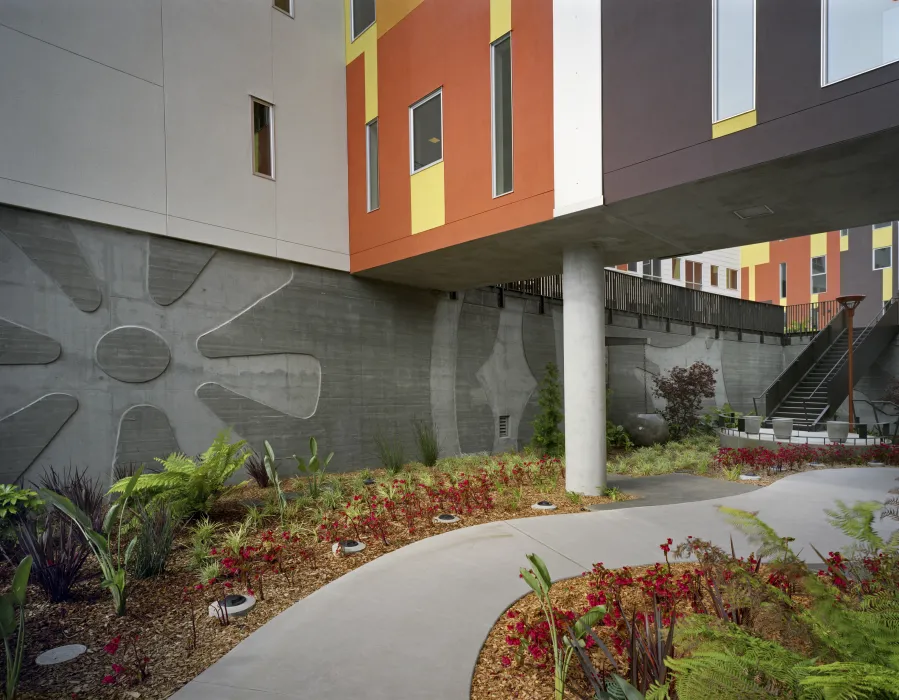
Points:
x=883, y=236
x=819, y=244
x=844, y=243
x=755, y=254
x=392, y=12
x=737, y=123
x=366, y=43
x=428, y=204
x=887, y=283
x=500, y=18
x=752, y=283
x=814, y=298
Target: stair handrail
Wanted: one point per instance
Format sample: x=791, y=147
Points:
x=839, y=363
x=811, y=348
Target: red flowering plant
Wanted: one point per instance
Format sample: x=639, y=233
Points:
x=131, y=667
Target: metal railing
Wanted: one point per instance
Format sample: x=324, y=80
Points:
x=638, y=295
x=809, y=318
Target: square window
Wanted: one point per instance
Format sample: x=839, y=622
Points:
x=883, y=258
x=652, y=269
x=286, y=6
x=731, y=279
x=844, y=232
x=372, y=171
x=427, y=131
x=362, y=15
x=819, y=274
x=859, y=36
x=263, y=138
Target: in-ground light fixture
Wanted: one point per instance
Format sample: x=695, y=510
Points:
x=543, y=505
x=234, y=604
x=446, y=519
x=347, y=547
x=60, y=655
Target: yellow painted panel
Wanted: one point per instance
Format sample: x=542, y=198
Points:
x=391, y=13
x=883, y=236
x=814, y=298
x=887, y=283
x=755, y=254
x=737, y=123
x=500, y=18
x=844, y=243
x=783, y=301
x=819, y=244
x=752, y=283
x=428, y=203
x=371, y=81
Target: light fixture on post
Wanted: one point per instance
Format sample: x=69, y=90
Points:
x=850, y=302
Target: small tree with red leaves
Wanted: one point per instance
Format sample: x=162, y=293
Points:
x=683, y=390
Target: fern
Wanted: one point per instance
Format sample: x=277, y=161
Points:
x=193, y=485
x=769, y=544
x=851, y=681
x=857, y=522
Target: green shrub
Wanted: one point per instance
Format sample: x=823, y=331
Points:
x=692, y=454
x=617, y=437
x=428, y=441
x=12, y=622
x=391, y=453
x=548, y=437
x=156, y=524
x=193, y=485
x=683, y=390
x=314, y=470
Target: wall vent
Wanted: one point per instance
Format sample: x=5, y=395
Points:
x=504, y=426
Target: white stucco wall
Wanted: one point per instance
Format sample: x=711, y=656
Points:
x=136, y=113
x=726, y=258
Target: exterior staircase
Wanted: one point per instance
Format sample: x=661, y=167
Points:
x=815, y=384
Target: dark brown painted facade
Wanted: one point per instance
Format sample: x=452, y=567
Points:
x=660, y=135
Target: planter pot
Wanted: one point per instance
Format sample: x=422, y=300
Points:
x=753, y=424
x=838, y=430
x=783, y=428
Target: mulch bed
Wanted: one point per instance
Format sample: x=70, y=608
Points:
x=157, y=614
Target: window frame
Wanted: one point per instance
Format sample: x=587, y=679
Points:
x=728, y=271
x=782, y=280
x=824, y=82
x=505, y=37
x=755, y=67
x=253, y=102
x=353, y=33
x=292, y=8
x=812, y=274
x=676, y=271
x=412, y=108
x=889, y=265
x=368, y=126
x=714, y=271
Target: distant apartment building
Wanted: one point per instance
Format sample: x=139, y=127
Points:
x=823, y=266
x=716, y=271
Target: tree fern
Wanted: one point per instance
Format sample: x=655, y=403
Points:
x=857, y=521
x=193, y=485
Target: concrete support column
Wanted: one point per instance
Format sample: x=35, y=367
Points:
x=583, y=291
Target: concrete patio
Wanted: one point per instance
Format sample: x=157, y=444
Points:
x=410, y=624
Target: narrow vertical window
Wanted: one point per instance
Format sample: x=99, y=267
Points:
x=733, y=59
x=427, y=131
x=374, y=185
x=713, y=275
x=362, y=15
x=286, y=6
x=501, y=71
x=263, y=138
x=675, y=269
x=732, y=279
x=783, y=280
x=858, y=36
x=819, y=274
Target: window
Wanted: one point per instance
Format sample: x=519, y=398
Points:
x=374, y=184
x=883, y=258
x=652, y=269
x=362, y=15
x=263, y=138
x=501, y=72
x=632, y=266
x=731, y=279
x=675, y=268
x=819, y=274
x=844, y=232
x=733, y=62
x=783, y=280
x=427, y=131
x=286, y=6
x=713, y=275
x=887, y=224
x=858, y=36
x=693, y=276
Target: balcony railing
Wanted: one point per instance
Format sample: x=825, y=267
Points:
x=809, y=318
x=639, y=295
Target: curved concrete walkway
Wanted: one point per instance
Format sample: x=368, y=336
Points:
x=410, y=624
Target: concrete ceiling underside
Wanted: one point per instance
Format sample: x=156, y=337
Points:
x=848, y=184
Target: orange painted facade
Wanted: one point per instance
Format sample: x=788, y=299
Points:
x=446, y=44
x=797, y=254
